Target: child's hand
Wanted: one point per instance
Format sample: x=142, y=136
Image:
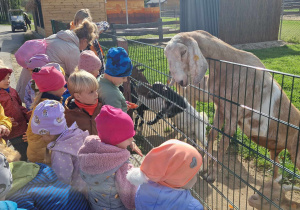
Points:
x=4, y=131
x=136, y=149
x=13, y=122
x=131, y=105
x=24, y=137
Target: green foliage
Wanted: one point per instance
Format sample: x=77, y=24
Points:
x=15, y=4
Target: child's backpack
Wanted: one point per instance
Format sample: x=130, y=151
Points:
x=29, y=49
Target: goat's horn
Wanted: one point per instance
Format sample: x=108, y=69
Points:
x=290, y=187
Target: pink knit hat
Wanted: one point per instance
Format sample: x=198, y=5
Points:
x=38, y=61
x=48, y=118
x=89, y=62
x=113, y=125
x=48, y=79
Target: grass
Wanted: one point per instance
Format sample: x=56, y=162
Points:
x=291, y=31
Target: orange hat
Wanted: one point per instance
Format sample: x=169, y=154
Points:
x=172, y=164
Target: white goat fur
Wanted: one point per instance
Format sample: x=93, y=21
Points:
x=188, y=122
x=247, y=86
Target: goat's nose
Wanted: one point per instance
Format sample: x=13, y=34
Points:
x=181, y=83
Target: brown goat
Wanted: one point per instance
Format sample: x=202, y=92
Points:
x=273, y=190
x=245, y=93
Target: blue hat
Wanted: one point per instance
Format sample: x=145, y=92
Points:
x=118, y=64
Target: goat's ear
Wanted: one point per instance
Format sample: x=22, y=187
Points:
x=141, y=70
x=197, y=62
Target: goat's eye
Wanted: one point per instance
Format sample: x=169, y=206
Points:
x=183, y=52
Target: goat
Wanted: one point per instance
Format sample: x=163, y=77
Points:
x=274, y=191
x=232, y=85
x=140, y=88
x=184, y=116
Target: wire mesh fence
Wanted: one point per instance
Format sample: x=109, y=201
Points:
x=290, y=21
x=245, y=108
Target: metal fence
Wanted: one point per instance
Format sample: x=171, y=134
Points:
x=290, y=21
x=267, y=118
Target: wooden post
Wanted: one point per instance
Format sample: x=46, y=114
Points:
x=160, y=30
x=121, y=42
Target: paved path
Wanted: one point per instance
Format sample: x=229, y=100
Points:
x=9, y=42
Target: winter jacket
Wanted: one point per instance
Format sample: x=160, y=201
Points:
x=104, y=167
x=84, y=121
x=24, y=78
x=64, y=156
x=111, y=95
x=36, y=145
x=4, y=120
x=153, y=196
x=45, y=191
x=13, y=108
x=9, y=205
x=29, y=94
x=63, y=48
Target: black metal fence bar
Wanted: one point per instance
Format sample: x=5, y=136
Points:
x=245, y=177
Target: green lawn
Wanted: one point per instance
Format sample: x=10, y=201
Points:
x=291, y=31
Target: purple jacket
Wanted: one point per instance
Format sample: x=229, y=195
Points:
x=29, y=95
x=64, y=156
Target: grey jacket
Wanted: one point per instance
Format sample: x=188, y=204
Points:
x=63, y=48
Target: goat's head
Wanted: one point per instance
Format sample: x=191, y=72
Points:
x=140, y=80
x=157, y=89
x=186, y=62
x=271, y=189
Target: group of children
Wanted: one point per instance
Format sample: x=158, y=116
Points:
x=73, y=137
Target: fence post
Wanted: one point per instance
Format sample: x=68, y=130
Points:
x=121, y=42
x=113, y=30
x=160, y=30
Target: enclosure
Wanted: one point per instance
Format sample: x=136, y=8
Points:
x=245, y=167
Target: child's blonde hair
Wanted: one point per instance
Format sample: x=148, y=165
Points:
x=82, y=80
x=81, y=15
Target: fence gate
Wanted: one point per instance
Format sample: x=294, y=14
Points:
x=290, y=21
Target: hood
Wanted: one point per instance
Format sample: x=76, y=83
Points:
x=69, y=141
x=67, y=35
x=96, y=157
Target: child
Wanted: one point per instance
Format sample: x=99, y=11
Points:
x=36, y=61
x=83, y=105
x=49, y=121
x=166, y=175
x=103, y=161
x=89, y=62
x=5, y=125
x=50, y=83
x=13, y=109
x=118, y=68
x=35, y=186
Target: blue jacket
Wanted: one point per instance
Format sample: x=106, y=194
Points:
x=9, y=205
x=153, y=196
x=46, y=192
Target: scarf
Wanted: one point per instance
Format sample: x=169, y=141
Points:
x=88, y=108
